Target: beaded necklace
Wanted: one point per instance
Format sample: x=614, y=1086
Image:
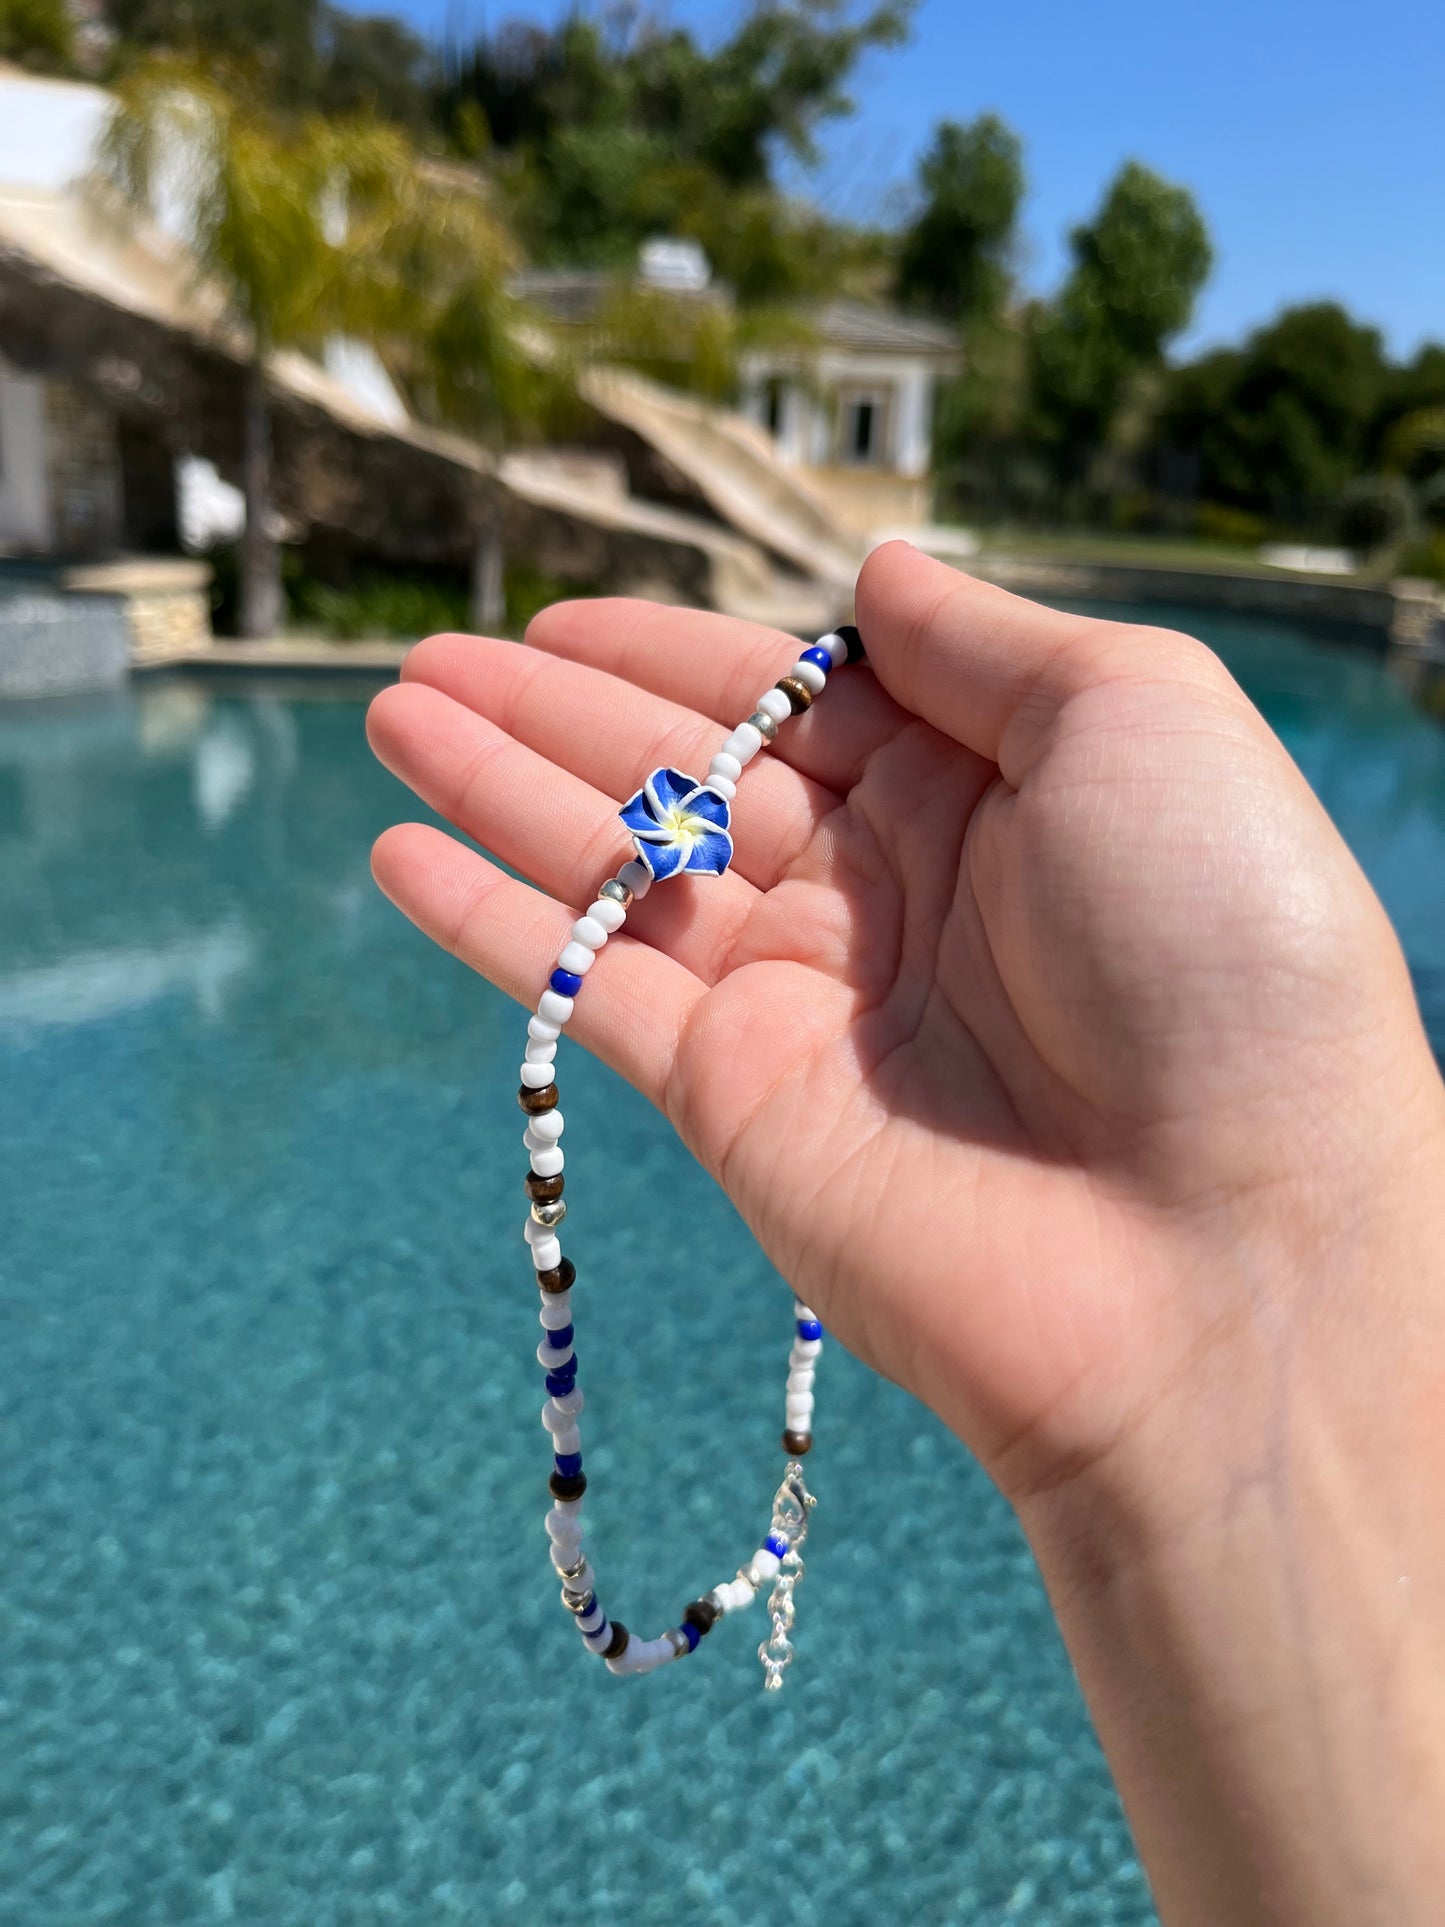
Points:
x=678, y=827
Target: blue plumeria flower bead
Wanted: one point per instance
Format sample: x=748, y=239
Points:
x=678, y=824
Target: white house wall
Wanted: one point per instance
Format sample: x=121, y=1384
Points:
x=807, y=432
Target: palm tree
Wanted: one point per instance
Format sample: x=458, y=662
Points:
x=312, y=229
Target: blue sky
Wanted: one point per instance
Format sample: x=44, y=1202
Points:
x=1312, y=136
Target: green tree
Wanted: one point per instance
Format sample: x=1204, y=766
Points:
x=311, y=229
x=955, y=257
x=1137, y=269
x=611, y=127
x=37, y=34
x=1281, y=423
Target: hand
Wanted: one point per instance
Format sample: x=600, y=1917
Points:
x=1044, y=1031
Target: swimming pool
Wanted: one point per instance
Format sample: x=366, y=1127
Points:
x=278, y=1639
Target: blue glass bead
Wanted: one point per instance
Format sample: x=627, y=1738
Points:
x=560, y=1339
x=564, y=983
x=567, y=1463
x=776, y=1543
x=809, y=1328
x=819, y=658
x=691, y=1634
x=559, y=1384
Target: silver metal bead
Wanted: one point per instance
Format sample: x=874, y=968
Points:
x=765, y=725
x=617, y=890
x=574, y=1571
x=747, y=1579
x=577, y=1602
x=677, y=1639
x=549, y=1212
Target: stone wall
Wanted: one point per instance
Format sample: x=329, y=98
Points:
x=83, y=464
x=54, y=644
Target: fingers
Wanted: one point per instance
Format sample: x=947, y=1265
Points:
x=989, y=668
x=631, y=1008
x=540, y=819
x=611, y=734
x=719, y=666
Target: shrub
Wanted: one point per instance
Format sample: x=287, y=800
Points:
x=1376, y=513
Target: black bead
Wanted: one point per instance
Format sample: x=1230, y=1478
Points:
x=535, y=1102
x=617, y=1645
x=560, y=1278
x=567, y=1485
x=702, y=1613
x=544, y=1190
x=856, y=651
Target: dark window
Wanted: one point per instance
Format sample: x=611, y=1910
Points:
x=773, y=405
x=861, y=445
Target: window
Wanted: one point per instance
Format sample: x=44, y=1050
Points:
x=861, y=415
x=774, y=391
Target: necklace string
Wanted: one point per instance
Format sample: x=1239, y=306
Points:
x=678, y=827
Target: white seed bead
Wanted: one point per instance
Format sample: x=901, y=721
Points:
x=802, y=1348
x=556, y=1310
x=636, y=876
x=547, y=1161
x=800, y=1412
x=642, y=1656
x=547, y=1252
x=541, y=1050
x=593, y=1619
x=801, y=1380
x=554, y=1006
x=744, y=743
x=537, y=1076
x=564, y=1522
x=548, y=1126
x=740, y=1595
x=567, y=1508
x=598, y=1640
x=555, y=1421
x=724, y=785
x=568, y=1441
x=577, y=958
x=763, y=1565
x=774, y=703
x=553, y=1360
x=589, y=932
x=572, y=1401
x=543, y=1032
x=809, y=675
x=607, y=913
x=725, y=764
x=534, y=1233
x=835, y=646
x=802, y=1311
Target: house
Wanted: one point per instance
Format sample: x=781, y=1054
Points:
x=848, y=407
x=854, y=408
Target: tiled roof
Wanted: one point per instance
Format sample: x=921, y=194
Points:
x=576, y=294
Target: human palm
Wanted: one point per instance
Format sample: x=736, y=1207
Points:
x=1036, y=990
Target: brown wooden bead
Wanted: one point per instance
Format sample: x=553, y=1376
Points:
x=617, y=1645
x=544, y=1190
x=702, y=1613
x=799, y=696
x=567, y=1485
x=560, y=1278
x=795, y=1444
x=535, y=1102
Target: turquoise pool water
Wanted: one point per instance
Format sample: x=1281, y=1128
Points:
x=278, y=1641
